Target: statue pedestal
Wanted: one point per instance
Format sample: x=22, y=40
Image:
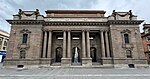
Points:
x=65, y=62
x=87, y=62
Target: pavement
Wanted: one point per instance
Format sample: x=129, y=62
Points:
x=74, y=73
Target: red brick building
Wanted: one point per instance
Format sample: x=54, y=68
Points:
x=146, y=41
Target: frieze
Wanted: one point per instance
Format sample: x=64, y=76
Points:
x=76, y=24
x=103, y=19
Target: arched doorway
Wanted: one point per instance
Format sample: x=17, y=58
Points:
x=58, y=54
x=76, y=55
x=93, y=54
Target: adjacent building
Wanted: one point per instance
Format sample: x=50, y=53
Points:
x=4, y=37
x=146, y=40
x=70, y=38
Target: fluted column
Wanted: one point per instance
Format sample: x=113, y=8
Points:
x=102, y=44
x=64, y=44
x=44, y=46
x=83, y=44
x=107, y=44
x=49, y=44
x=69, y=45
x=88, y=44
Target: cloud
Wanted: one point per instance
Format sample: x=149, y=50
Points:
x=10, y=7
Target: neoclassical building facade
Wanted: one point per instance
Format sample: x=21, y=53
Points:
x=72, y=38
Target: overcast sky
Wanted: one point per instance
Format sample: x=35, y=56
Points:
x=141, y=8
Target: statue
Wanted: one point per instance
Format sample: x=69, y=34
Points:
x=76, y=56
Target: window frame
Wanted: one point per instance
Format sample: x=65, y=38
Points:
x=126, y=38
x=24, y=38
x=128, y=53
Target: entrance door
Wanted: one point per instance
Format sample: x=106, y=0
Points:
x=58, y=54
x=93, y=54
x=76, y=55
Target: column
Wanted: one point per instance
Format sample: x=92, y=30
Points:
x=102, y=44
x=64, y=44
x=107, y=44
x=44, y=46
x=69, y=45
x=49, y=44
x=83, y=44
x=88, y=44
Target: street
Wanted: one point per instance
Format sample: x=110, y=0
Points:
x=74, y=73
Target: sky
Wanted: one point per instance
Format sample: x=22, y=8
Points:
x=8, y=8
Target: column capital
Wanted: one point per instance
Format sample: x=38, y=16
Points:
x=87, y=30
x=68, y=30
x=83, y=30
x=64, y=30
x=49, y=30
x=45, y=30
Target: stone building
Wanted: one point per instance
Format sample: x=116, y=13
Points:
x=72, y=38
x=146, y=41
x=4, y=37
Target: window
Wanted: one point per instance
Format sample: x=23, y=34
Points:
x=148, y=47
x=0, y=41
x=126, y=38
x=22, y=54
x=4, y=48
x=5, y=43
x=25, y=37
x=129, y=54
x=149, y=56
x=60, y=38
x=148, y=38
x=91, y=38
x=75, y=38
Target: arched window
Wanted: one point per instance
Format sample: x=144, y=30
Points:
x=126, y=38
x=25, y=37
x=129, y=54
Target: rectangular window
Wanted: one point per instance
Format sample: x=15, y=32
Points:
x=148, y=38
x=25, y=37
x=126, y=38
x=75, y=38
x=1, y=41
x=149, y=56
x=60, y=38
x=129, y=54
x=91, y=38
x=148, y=47
x=5, y=43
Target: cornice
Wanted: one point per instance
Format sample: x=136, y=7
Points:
x=65, y=23
x=125, y=22
x=16, y=22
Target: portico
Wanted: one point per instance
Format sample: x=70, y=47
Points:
x=83, y=39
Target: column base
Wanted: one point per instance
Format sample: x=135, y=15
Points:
x=65, y=62
x=87, y=62
x=107, y=60
x=45, y=61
